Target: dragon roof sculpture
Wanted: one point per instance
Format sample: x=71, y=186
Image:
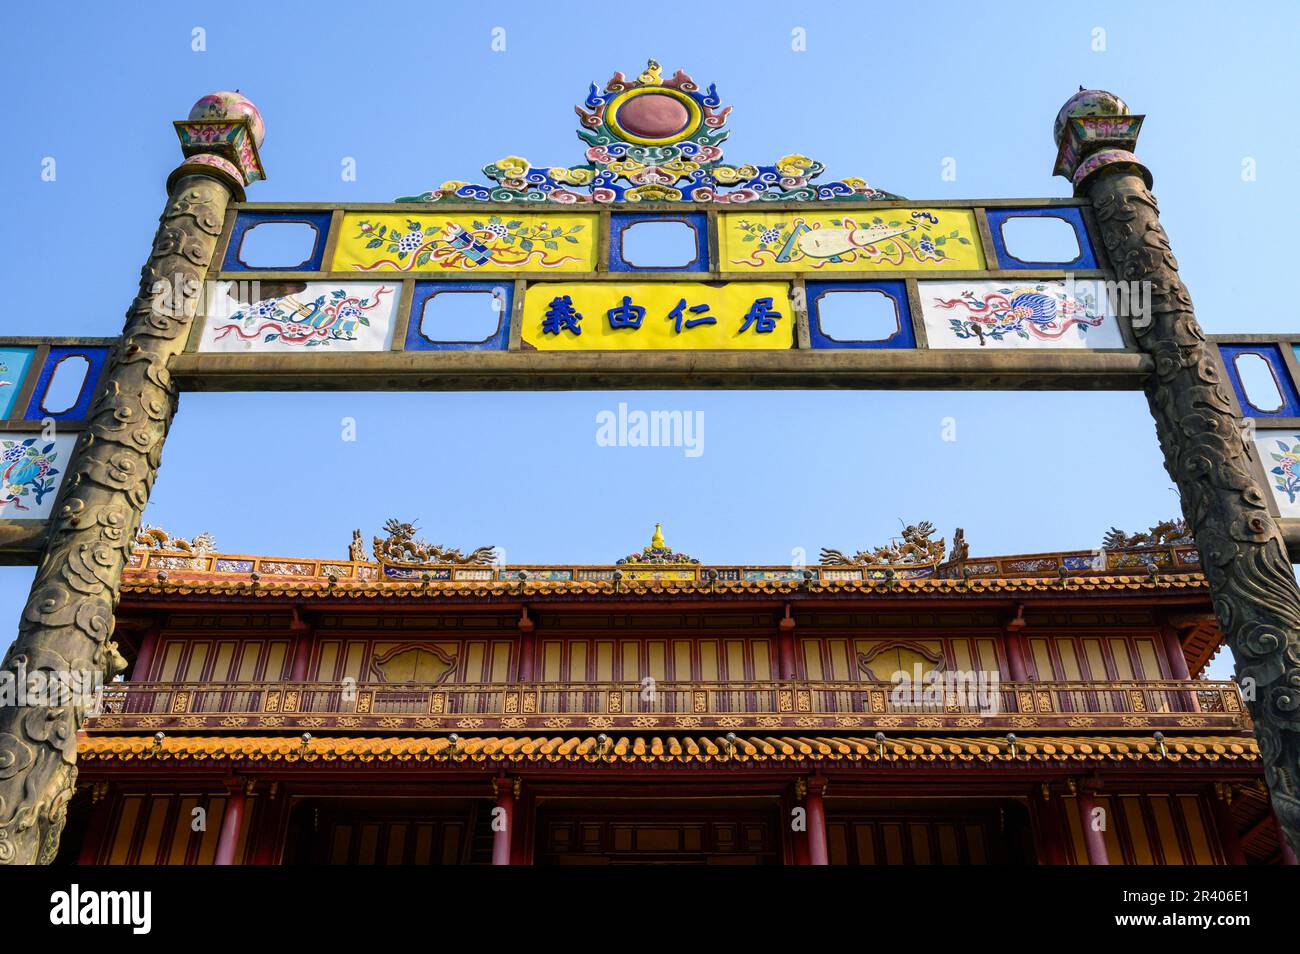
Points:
x=914, y=549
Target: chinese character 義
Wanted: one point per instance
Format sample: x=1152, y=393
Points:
x=561, y=315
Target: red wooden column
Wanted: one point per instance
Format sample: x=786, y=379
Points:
x=1014, y=644
x=232, y=821
x=1048, y=836
x=785, y=646
x=817, y=850
x=1228, y=840
x=527, y=648
x=1174, y=652
x=1093, y=839
x=101, y=810
x=503, y=819
x=303, y=632
x=144, y=658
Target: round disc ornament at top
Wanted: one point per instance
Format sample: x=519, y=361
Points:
x=653, y=116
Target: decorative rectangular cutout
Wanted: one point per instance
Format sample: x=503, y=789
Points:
x=609, y=316
x=1035, y=240
x=664, y=243
x=429, y=240
x=263, y=316
x=854, y=240
x=1260, y=380
x=460, y=316
x=1024, y=314
x=284, y=242
x=66, y=384
x=859, y=315
x=14, y=363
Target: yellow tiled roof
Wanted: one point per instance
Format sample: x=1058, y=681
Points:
x=679, y=749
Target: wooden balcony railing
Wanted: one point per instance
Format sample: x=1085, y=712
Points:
x=661, y=706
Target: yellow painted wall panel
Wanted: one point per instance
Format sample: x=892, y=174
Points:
x=1161, y=809
x=208, y=846
x=1137, y=829
x=709, y=659
x=465, y=244
x=329, y=660
x=1150, y=659
x=1120, y=657
x=551, y=655
x=853, y=240
x=1202, y=849
x=125, y=831
x=184, y=829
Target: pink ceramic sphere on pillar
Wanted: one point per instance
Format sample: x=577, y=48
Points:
x=220, y=138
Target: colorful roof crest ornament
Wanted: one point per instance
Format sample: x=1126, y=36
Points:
x=915, y=549
x=653, y=140
x=401, y=549
x=658, y=552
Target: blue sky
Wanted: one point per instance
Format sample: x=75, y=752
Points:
x=416, y=95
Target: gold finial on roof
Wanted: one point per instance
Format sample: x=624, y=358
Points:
x=657, y=541
x=651, y=76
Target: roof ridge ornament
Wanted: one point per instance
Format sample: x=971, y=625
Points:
x=658, y=552
x=1166, y=533
x=653, y=140
x=402, y=548
x=915, y=548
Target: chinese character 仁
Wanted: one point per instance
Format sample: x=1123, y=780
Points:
x=676, y=316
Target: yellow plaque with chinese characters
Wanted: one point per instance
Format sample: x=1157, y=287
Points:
x=658, y=316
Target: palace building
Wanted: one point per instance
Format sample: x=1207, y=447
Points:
x=908, y=704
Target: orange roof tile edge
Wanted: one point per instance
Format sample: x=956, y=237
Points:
x=663, y=749
x=345, y=589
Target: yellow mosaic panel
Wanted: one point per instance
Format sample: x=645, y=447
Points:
x=465, y=243
x=658, y=316
x=845, y=240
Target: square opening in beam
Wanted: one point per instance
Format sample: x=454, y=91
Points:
x=1259, y=384
x=658, y=242
x=860, y=314
x=278, y=245
x=1041, y=238
x=470, y=316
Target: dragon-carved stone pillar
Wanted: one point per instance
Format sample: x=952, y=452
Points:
x=1206, y=449
x=67, y=624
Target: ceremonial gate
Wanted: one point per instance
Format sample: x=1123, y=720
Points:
x=771, y=258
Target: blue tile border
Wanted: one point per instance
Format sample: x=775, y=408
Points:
x=1272, y=354
x=498, y=341
x=620, y=222
x=244, y=221
x=96, y=358
x=1068, y=213
x=904, y=337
